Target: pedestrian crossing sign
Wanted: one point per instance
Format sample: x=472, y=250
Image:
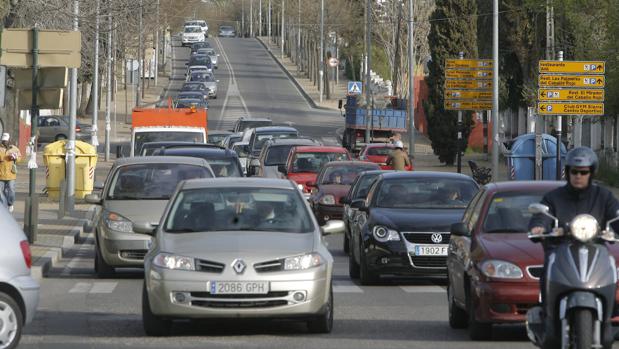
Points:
x=355, y=87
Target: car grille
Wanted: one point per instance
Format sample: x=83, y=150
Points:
x=209, y=266
x=424, y=237
x=535, y=271
x=133, y=254
x=242, y=304
x=272, y=294
x=269, y=266
x=429, y=262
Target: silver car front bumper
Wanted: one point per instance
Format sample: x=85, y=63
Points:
x=122, y=249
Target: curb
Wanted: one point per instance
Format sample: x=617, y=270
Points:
x=51, y=257
x=305, y=95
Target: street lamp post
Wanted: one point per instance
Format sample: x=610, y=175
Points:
x=411, y=80
x=321, y=63
x=495, y=91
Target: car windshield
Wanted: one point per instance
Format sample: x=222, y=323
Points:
x=277, y=155
x=201, y=76
x=190, y=95
x=363, y=187
x=159, y=136
x=383, y=151
x=509, y=212
x=225, y=28
x=149, y=148
x=151, y=181
x=235, y=209
x=199, y=45
x=313, y=162
x=215, y=139
x=344, y=175
x=193, y=87
x=261, y=138
x=193, y=30
x=224, y=167
x=200, y=60
x=427, y=192
x=190, y=102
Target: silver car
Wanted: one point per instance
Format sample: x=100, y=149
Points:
x=226, y=248
x=19, y=292
x=56, y=127
x=211, y=53
x=136, y=189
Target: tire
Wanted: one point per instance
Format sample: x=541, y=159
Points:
x=12, y=328
x=102, y=269
x=60, y=137
x=581, y=328
x=366, y=276
x=457, y=317
x=154, y=326
x=353, y=266
x=346, y=243
x=478, y=331
x=324, y=322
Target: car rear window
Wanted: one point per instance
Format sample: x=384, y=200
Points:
x=385, y=151
x=363, y=187
x=509, y=212
x=343, y=174
x=277, y=155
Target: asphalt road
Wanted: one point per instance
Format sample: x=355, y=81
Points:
x=77, y=310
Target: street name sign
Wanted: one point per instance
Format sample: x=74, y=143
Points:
x=468, y=105
x=462, y=84
x=468, y=74
x=485, y=64
x=572, y=67
x=587, y=81
x=572, y=95
x=468, y=94
x=570, y=108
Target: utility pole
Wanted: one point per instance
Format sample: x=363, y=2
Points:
x=559, y=127
x=108, y=97
x=70, y=157
x=251, y=18
x=368, y=58
x=138, y=99
x=156, y=46
x=411, y=80
x=243, y=18
x=283, y=25
x=321, y=73
x=459, y=129
x=299, y=36
x=32, y=202
x=95, y=79
x=495, y=91
x=269, y=21
x=260, y=18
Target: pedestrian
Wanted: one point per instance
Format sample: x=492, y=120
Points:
x=398, y=159
x=9, y=155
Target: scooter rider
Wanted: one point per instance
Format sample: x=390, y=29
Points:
x=580, y=195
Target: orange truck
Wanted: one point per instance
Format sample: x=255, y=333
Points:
x=167, y=124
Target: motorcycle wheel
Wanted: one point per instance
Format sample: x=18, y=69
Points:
x=581, y=329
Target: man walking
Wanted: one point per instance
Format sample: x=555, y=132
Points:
x=398, y=158
x=9, y=155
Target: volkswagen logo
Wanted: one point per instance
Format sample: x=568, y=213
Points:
x=437, y=238
x=239, y=266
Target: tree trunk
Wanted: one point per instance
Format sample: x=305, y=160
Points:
x=85, y=97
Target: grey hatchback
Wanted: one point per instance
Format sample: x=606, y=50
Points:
x=136, y=188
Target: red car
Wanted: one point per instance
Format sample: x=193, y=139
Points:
x=493, y=268
x=333, y=183
x=305, y=162
x=378, y=153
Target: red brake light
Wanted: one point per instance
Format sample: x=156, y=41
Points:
x=25, y=250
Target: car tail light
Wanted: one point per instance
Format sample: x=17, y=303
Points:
x=25, y=250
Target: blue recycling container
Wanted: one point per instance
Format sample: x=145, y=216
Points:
x=521, y=159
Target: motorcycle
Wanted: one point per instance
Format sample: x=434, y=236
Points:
x=580, y=284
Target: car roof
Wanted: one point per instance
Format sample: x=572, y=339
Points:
x=225, y=182
x=215, y=152
x=219, y=132
x=351, y=163
x=160, y=160
x=523, y=186
x=266, y=129
x=380, y=145
x=165, y=143
x=319, y=149
x=292, y=141
x=244, y=118
x=425, y=174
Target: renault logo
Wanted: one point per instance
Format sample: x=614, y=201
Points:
x=437, y=238
x=239, y=266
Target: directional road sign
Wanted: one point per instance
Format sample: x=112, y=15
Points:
x=587, y=81
x=570, y=108
x=572, y=95
x=572, y=67
x=468, y=105
x=468, y=74
x=455, y=63
x=464, y=84
x=468, y=94
x=355, y=87
x=56, y=48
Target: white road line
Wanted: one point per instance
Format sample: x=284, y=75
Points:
x=233, y=91
x=346, y=286
x=422, y=289
x=81, y=287
x=77, y=261
x=103, y=287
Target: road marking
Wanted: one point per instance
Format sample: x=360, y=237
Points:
x=78, y=261
x=234, y=100
x=103, y=287
x=346, y=286
x=81, y=287
x=422, y=289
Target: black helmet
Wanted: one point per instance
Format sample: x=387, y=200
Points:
x=582, y=157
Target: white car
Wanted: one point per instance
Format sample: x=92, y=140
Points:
x=200, y=23
x=19, y=292
x=193, y=34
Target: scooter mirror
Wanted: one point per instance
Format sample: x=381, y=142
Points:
x=538, y=209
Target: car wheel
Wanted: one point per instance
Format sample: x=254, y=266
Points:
x=353, y=266
x=102, y=269
x=60, y=137
x=324, y=322
x=11, y=322
x=478, y=331
x=366, y=276
x=457, y=317
x=153, y=324
x=346, y=243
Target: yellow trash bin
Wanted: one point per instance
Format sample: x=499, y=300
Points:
x=54, y=160
x=85, y=165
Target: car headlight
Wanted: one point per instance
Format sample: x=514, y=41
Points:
x=584, y=227
x=169, y=261
x=501, y=270
x=303, y=262
x=116, y=222
x=328, y=200
x=382, y=234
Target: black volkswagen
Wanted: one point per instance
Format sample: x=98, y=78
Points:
x=408, y=216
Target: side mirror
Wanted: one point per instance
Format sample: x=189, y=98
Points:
x=344, y=200
x=339, y=104
x=459, y=229
x=217, y=80
x=282, y=168
x=539, y=209
x=145, y=228
x=94, y=199
x=333, y=227
x=98, y=185
x=358, y=204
